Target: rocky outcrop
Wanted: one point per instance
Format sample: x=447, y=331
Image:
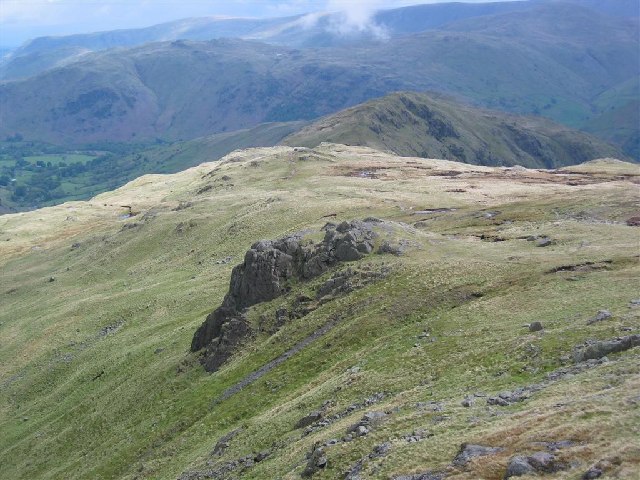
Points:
x=539, y=462
x=600, y=348
x=266, y=273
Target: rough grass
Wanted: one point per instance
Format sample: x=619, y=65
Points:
x=96, y=380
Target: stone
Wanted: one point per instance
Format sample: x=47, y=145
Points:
x=393, y=249
x=423, y=476
x=223, y=443
x=517, y=467
x=373, y=417
x=380, y=450
x=544, y=242
x=361, y=431
x=542, y=462
x=535, y=327
x=507, y=398
x=468, y=402
x=598, y=349
x=309, y=419
x=317, y=460
x=600, y=316
x=634, y=221
x=469, y=451
x=593, y=472
x=260, y=456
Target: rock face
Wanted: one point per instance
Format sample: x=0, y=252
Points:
x=265, y=274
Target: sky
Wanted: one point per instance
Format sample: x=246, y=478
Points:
x=21, y=20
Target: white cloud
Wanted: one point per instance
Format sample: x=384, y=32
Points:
x=356, y=16
x=22, y=19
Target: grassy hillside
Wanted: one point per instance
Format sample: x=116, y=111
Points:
x=99, y=308
x=431, y=126
x=142, y=94
x=33, y=175
x=620, y=117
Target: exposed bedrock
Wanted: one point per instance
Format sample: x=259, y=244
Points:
x=266, y=273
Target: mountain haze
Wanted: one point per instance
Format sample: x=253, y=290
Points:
x=183, y=89
x=315, y=30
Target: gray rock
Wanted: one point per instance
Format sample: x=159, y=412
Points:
x=260, y=456
x=593, y=472
x=468, y=402
x=544, y=242
x=354, y=472
x=535, y=327
x=543, y=462
x=372, y=418
x=423, y=476
x=361, y=430
x=517, y=467
x=598, y=349
x=601, y=316
x=317, y=460
x=309, y=419
x=266, y=273
x=393, y=249
x=380, y=450
x=504, y=399
x=469, y=451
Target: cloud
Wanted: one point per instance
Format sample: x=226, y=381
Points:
x=357, y=16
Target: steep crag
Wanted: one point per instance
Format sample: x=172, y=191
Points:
x=265, y=274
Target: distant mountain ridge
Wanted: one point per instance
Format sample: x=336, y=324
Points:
x=557, y=65
x=314, y=30
x=299, y=31
x=412, y=124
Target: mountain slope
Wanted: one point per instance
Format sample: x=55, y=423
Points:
x=100, y=308
x=316, y=30
x=145, y=93
x=619, y=116
x=412, y=124
x=45, y=175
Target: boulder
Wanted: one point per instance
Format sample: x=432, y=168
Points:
x=600, y=348
x=543, y=462
x=317, y=460
x=469, y=451
x=517, y=467
x=309, y=419
x=535, y=327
